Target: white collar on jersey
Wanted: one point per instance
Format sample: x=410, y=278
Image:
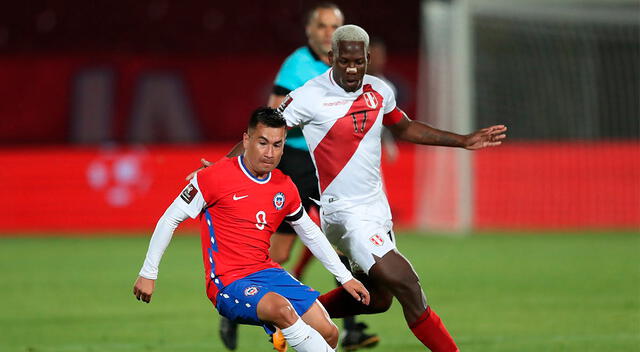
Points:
x=250, y=175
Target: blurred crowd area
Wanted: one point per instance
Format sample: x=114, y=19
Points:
x=195, y=26
x=158, y=71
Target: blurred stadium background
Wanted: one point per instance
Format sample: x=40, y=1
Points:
x=105, y=106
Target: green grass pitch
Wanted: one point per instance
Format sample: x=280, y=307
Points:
x=495, y=292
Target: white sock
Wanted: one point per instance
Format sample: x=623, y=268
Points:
x=303, y=338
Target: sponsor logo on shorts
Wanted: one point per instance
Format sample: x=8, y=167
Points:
x=189, y=193
x=250, y=291
x=278, y=200
x=377, y=240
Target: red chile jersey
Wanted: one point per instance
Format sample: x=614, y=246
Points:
x=238, y=214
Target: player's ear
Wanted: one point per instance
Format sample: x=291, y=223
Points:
x=330, y=55
x=245, y=140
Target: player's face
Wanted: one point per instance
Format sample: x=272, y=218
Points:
x=263, y=148
x=350, y=65
x=320, y=28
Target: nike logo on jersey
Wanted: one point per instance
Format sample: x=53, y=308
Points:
x=238, y=198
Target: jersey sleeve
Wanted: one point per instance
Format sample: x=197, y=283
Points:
x=389, y=98
x=296, y=107
x=288, y=77
x=295, y=209
x=191, y=199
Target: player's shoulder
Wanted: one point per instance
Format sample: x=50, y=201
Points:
x=281, y=179
x=314, y=87
x=376, y=83
x=220, y=169
x=277, y=176
x=379, y=85
x=302, y=54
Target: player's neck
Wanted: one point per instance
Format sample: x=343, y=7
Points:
x=247, y=165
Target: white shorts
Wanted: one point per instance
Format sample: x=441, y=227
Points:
x=360, y=231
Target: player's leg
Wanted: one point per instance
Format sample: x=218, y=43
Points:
x=278, y=311
x=318, y=318
x=228, y=333
x=281, y=244
x=396, y=273
x=355, y=335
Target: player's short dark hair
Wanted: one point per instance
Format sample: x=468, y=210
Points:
x=317, y=6
x=267, y=116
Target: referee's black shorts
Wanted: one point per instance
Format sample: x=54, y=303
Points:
x=298, y=165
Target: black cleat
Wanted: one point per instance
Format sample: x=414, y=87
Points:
x=229, y=333
x=357, y=338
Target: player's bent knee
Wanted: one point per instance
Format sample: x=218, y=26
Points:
x=380, y=304
x=330, y=333
x=277, y=309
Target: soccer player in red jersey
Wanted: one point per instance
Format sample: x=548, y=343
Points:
x=342, y=113
x=240, y=202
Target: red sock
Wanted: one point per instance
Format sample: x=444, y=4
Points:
x=301, y=264
x=339, y=303
x=432, y=333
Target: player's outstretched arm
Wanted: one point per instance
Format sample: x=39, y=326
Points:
x=317, y=242
x=167, y=224
x=421, y=133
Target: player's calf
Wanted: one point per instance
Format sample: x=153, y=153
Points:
x=319, y=320
x=395, y=272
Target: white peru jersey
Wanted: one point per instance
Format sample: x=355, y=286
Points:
x=343, y=131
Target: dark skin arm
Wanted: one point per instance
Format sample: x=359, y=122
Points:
x=421, y=133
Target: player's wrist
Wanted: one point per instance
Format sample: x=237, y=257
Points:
x=345, y=278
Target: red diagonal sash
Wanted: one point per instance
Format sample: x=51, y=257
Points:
x=340, y=143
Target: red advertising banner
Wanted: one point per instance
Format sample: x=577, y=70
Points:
x=125, y=189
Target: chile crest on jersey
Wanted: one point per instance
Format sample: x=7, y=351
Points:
x=278, y=200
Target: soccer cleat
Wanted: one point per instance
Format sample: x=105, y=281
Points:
x=229, y=333
x=357, y=338
x=279, y=343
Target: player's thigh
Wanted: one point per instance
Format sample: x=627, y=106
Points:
x=276, y=309
x=281, y=244
x=364, y=242
x=318, y=318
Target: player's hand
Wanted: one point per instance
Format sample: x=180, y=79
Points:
x=486, y=137
x=357, y=290
x=204, y=163
x=143, y=289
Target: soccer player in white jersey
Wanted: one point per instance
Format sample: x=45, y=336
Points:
x=342, y=113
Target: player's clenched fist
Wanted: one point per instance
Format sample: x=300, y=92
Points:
x=357, y=290
x=143, y=289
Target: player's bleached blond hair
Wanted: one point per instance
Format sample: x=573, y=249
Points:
x=349, y=32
